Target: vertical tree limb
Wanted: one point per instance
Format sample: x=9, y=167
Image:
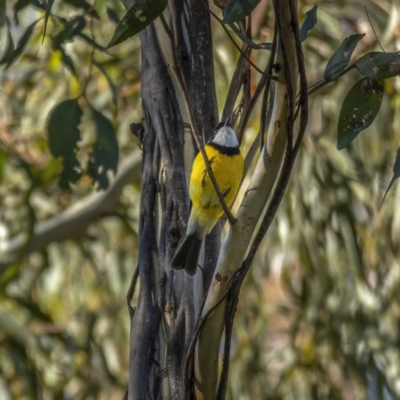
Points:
x=238, y=239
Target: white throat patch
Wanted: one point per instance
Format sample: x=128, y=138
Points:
x=226, y=137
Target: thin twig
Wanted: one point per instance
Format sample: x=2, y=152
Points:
x=131, y=291
x=197, y=138
x=290, y=156
x=376, y=36
x=236, y=45
x=181, y=82
x=166, y=27
x=325, y=82
x=234, y=88
x=189, y=353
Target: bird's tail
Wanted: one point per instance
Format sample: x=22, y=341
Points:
x=187, y=255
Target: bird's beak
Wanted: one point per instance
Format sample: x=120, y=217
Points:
x=228, y=122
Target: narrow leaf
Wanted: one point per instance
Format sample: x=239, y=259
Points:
x=244, y=38
x=67, y=61
x=379, y=65
x=85, y=5
x=21, y=43
x=10, y=46
x=21, y=4
x=92, y=42
x=341, y=57
x=63, y=132
x=359, y=110
x=18, y=6
x=72, y=28
x=141, y=14
x=396, y=174
x=105, y=150
x=49, y=4
x=310, y=19
x=110, y=82
x=112, y=15
x=236, y=10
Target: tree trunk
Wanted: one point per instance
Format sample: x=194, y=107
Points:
x=174, y=310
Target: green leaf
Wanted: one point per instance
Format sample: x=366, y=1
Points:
x=21, y=43
x=112, y=15
x=67, y=61
x=141, y=14
x=85, y=5
x=341, y=57
x=72, y=28
x=18, y=6
x=49, y=4
x=310, y=19
x=396, y=174
x=110, y=82
x=90, y=41
x=64, y=134
x=244, y=38
x=379, y=65
x=10, y=47
x=236, y=10
x=70, y=170
x=105, y=150
x=21, y=4
x=359, y=110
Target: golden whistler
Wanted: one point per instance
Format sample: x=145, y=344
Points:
x=228, y=167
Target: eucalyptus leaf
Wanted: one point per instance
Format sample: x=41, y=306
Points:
x=359, y=110
x=341, y=57
x=10, y=46
x=92, y=42
x=71, y=28
x=112, y=15
x=236, y=10
x=49, y=5
x=105, y=150
x=63, y=134
x=21, y=43
x=141, y=14
x=21, y=4
x=67, y=61
x=396, y=175
x=310, y=19
x=379, y=65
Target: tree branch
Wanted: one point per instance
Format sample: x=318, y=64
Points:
x=253, y=205
x=73, y=222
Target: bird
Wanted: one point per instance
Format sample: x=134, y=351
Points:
x=227, y=164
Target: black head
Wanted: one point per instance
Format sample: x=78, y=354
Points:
x=219, y=126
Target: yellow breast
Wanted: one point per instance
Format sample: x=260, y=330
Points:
x=228, y=171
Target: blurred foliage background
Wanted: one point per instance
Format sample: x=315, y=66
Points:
x=319, y=314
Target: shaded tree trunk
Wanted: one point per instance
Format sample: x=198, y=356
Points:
x=163, y=324
x=177, y=326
